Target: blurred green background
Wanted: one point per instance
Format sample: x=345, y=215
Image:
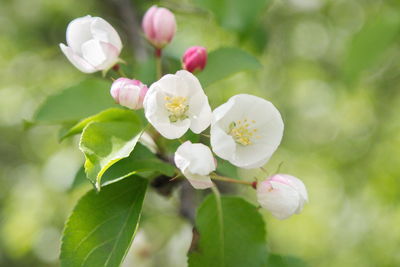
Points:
x=330, y=66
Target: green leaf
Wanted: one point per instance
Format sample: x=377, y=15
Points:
x=275, y=260
x=370, y=43
x=105, y=143
x=139, y=161
x=112, y=114
x=77, y=102
x=237, y=15
x=225, y=62
x=102, y=226
x=239, y=242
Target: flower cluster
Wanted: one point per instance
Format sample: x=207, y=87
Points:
x=246, y=130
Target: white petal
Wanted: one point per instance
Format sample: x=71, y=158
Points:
x=78, y=32
x=172, y=130
x=76, y=60
x=112, y=54
x=129, y=96
x=300, y=188
x=92, y=52
x=196, y=162
x=222, y=144
x=267, y=121
x=172, y=85
x=199, y=109
x=201, y=160
x=202, y=118
x=257, y=164
x=195, y=158
x=156, y=114
x=103, y=31
x=221, y=112
x=101, y=55
x=199, y=181
x=282, y=201
x=182, y=156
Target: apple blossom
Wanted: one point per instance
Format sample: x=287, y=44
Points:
x=194, y=59
x=176, y=103
x=246, y=131
x=196, y=162
x=282, y=194
x=159, y=26
x=93, y=44
x=128, y=93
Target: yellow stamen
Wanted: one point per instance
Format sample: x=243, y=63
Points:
x=177, y=107
x=242, y=132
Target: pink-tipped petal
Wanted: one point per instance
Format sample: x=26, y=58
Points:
x=78, y=32
x=103, y=31
x=147, y=22
x=76, y=60
x=164, y=26
x=128, y=93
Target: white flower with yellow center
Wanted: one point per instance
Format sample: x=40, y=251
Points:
x=196, y=162
x=176, y=103
x=246, y=131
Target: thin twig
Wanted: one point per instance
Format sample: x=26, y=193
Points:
x=217, y=177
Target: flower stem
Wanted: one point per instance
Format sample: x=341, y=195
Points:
x=121, y=72
x=158, y=54
x=217, y=177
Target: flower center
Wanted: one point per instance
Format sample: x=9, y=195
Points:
x=242, y=131
x=177, y=107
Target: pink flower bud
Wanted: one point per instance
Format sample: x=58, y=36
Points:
x=282, y=194
x=128, y=93
x=159, y=26
x=194, y=59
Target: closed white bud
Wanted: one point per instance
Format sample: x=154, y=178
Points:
x=196, y=162
x=92, y=44
x=282, y=195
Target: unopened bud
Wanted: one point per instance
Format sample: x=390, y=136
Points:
x=159, y=26
x=194, y=59
x=282, y=194
x=128, y=93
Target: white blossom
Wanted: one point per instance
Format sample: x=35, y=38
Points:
x=92, y=44
x=176, y=103
x=196, y=162
x=246, y=131
x=282, y=194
